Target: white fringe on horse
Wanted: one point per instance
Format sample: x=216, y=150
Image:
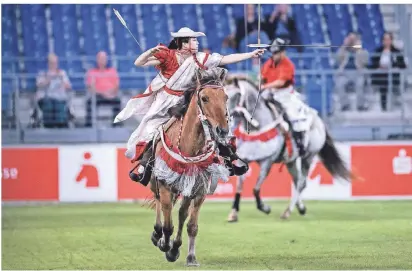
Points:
x=193, y=179
x=188, y=175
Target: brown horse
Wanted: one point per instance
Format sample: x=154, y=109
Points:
x=187, y=162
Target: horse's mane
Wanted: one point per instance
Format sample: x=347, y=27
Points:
x=235, y=80
x=179, y=110
x=212, y=77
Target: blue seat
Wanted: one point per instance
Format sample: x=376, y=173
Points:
x=9, y=31
x=313, y=90
x=6, y=93
x=238, y=10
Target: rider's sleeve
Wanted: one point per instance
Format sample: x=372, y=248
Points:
x=212, y=60
x=264, y=72
x=162, y=56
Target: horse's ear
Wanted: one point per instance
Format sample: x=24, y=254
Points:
x=236, y=82
x=223, y=75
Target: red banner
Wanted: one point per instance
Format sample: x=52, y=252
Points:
x=30, y=174
x=386, y=170
x=50, y=174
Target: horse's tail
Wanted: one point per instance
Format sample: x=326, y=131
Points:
x=150, y=202
x=333, y=162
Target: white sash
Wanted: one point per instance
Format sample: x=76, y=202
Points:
x=141, y=103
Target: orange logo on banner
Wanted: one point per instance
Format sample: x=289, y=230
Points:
x=277, y=184
x=29, y=174
x=387, y=170
x=319, y=171
x=89, y=173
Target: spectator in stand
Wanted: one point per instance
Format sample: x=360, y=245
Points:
x=351, y=65
x=385, y=58
x=281, y=25
x=103, y=81
x=52, y=95
x=252, y=25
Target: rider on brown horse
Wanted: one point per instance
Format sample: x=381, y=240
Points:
x=178, y=65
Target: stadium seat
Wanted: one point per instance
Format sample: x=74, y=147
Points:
x=77, y=31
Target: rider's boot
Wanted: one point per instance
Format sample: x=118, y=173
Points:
x=144, y=166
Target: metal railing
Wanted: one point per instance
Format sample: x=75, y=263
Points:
x=350, y=97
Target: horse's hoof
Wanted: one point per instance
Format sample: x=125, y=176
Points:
x=302, y=211
x=232, y=217
x=264, y=208
x=191, y=261
x=285, y=214
x=155, y=238
x=172, y=255
x=163, y=246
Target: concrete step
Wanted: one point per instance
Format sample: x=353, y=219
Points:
x=392, y=26
x=387, y=9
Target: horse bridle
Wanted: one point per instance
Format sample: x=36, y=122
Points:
x=211, y=140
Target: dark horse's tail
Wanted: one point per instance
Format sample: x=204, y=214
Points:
x=333, y=161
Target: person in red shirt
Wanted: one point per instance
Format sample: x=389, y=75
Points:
x=278, y=76
x=279, y=71
x=102, y=81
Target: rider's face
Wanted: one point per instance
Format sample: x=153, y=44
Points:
x=276, y=57
x=193, y=44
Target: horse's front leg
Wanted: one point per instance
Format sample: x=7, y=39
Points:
x=173, y=254
x=192, y=229
x=157, y=233
x=265, y=167
x=166, y=201
x=233, y=215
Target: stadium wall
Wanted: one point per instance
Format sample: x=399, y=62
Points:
x=99, y=173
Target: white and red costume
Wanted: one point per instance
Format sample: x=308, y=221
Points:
x=165, y=91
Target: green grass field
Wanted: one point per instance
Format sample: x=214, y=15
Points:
x=333, y=235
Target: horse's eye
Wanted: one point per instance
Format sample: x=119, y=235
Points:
x=205, y=99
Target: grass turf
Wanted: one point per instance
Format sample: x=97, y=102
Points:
x=333, y=235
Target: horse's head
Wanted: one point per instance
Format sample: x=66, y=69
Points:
x=242, y=97
x=211, y=100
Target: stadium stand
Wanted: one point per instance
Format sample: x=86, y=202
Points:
x=77, y=32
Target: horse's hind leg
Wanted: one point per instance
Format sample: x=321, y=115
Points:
x=299, y=182
x=166, y=200
x=192, y=229
x=157, y=233
x=233, y=215
x=173, y=254
x=305, y=172
x=265, y=167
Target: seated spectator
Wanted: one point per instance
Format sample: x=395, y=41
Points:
x=385, y=58
x=351, y=64
x=281, y=25
x=103, y=82
x=52, y=95
x=252, y=25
